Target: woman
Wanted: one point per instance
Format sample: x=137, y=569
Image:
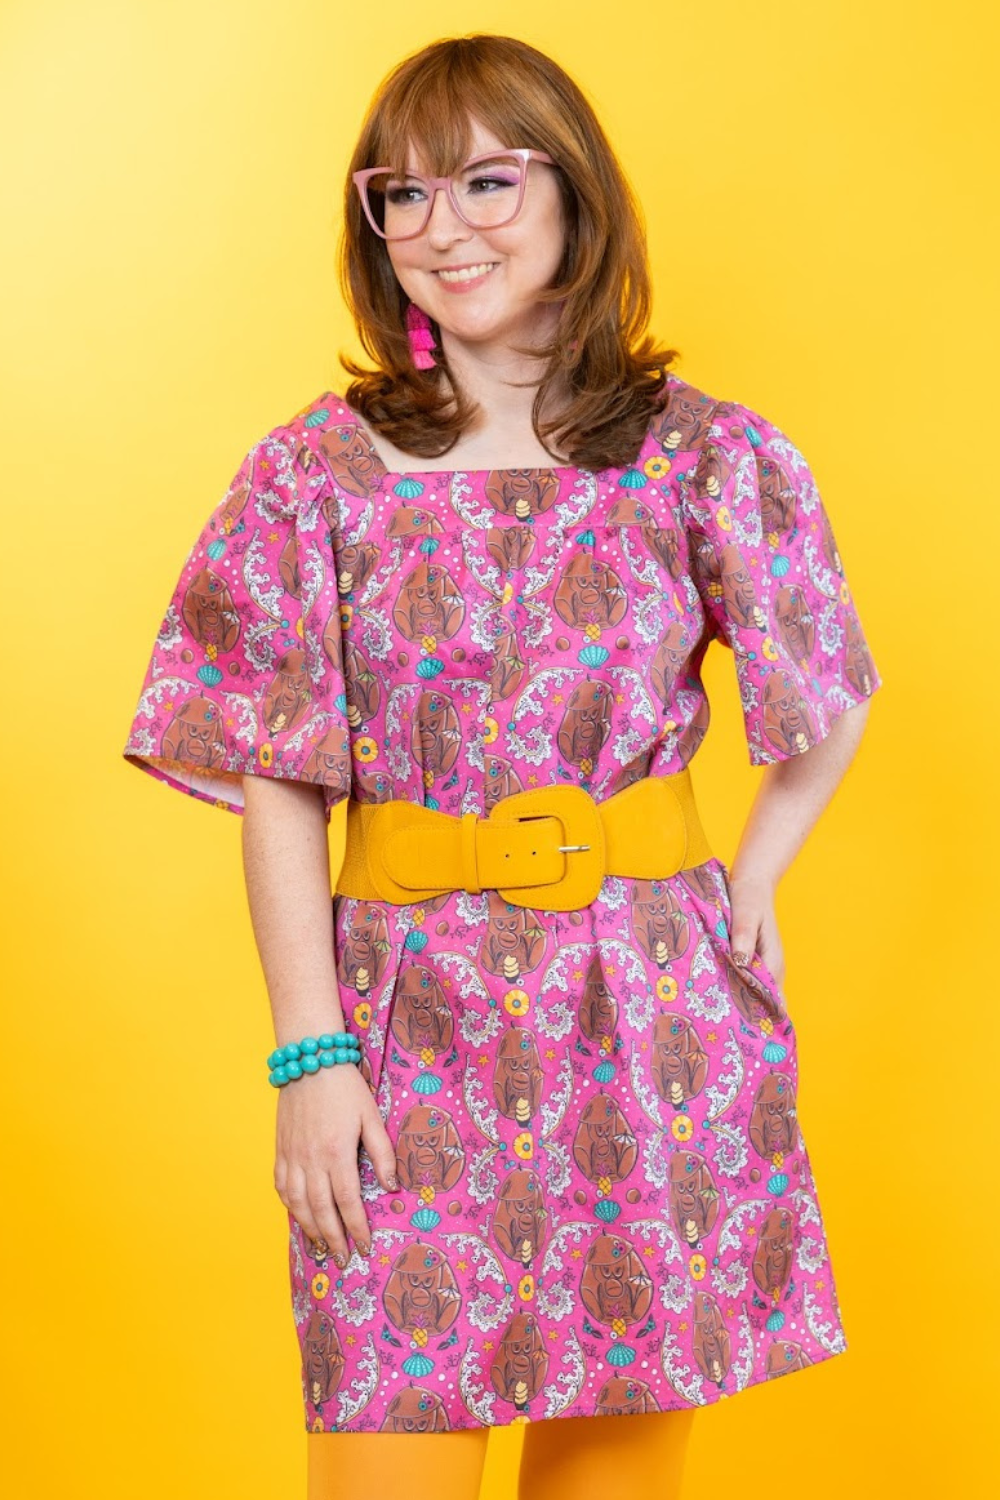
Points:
x=557, y=1173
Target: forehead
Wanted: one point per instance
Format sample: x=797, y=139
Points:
x=444, y=148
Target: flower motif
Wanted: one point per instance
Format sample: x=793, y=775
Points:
x=524, y=1145
x=666, y=988
x=681, y=1127
x=769, y=649
x=724, y=517
x=346, y=615
x=697, y=1265
x=526, y=1287
x=320, y=1285
x=490, y=730
x=266, y=755
x=361, y=1015
x=516, y=1002
x=365, y=749
x=655, y=468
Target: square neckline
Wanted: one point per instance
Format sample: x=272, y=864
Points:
x=423, y=474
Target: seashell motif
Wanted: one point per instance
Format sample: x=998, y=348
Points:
x=756, y=440
x=774, y=1052
x=604, y=1071
x=317, y=418
x=633, y=479
x=780, y=565
x=774, y=1320
x=586, y=538
x=215, y=549
x=418, y=1364
x=594, y=656
x=426, y=1083
x=210, y=674
x=408, y=489
x=415, y=940
x=425, y=1218
x=607, y=1209
x=620, y=1354
x=777, y=1183
x=429, y=544
x=430, y=667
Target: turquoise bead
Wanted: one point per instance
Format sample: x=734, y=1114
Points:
x=276, y=1058
x=309, y=1045
x=292, y=1049
x=326, y=1058
x=310, y=1063
x=278, y=1077
x=345, y=1054
x=326, y=1041
x=293, y=1069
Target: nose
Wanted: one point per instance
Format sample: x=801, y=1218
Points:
x=444, y=223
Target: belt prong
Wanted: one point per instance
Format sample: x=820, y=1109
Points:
x=564, y=847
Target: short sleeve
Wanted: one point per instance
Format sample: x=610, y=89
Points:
x=246, y=675
x=771, y=576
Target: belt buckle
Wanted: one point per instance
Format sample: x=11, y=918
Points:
x=583, y=846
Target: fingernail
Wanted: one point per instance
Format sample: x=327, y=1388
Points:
x=364, y=1249
x=393, y=1182
x=341, y=1260
x=741, y=958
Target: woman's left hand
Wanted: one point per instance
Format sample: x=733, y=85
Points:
x=754, y=923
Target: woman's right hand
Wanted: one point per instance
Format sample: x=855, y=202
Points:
x=322, y=1119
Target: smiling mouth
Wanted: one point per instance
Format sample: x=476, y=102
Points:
x=471, y=274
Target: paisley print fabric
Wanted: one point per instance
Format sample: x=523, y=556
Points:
x=606, y=1200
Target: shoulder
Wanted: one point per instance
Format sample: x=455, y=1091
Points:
x=692, y=419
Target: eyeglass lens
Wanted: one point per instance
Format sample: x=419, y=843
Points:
x=486, y=193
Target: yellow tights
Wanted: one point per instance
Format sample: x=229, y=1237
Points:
x=565, y=1458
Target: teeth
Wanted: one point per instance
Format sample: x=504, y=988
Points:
x=469, y=274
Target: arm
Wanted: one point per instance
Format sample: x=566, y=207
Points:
x=320, y=1117
x=792, y=795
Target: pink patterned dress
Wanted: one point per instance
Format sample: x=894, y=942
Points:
x=607, y=1205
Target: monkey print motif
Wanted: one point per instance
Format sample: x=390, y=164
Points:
x=606, y=1204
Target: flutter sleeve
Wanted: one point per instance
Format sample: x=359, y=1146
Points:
x=771, y=576
x=246, y=676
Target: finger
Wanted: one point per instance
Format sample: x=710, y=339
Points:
x=380, y=1150
x=296, y=1200
x=327, y=1217
x=346, y=1185
x=743, y=937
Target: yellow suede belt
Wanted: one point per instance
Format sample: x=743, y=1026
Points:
x=549, y=846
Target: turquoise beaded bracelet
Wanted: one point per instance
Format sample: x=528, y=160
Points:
x=311, y=1054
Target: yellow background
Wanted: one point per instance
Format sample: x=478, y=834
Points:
x=820, y=195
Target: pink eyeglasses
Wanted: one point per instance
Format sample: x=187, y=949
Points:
x=485, y=193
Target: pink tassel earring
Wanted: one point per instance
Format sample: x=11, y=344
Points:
x=421, y=338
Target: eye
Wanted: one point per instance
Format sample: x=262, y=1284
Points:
x=490, y=181
x=402, y=194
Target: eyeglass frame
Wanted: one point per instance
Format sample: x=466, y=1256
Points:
x=526, y=153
